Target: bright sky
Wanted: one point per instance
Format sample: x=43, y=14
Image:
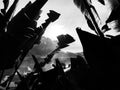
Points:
x=70, y=18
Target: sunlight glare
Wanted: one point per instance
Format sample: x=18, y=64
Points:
x=54, y=30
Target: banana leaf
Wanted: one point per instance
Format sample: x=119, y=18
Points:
x=102, y=55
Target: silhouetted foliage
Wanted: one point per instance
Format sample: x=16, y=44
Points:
x=98, y=67
x=64, y=40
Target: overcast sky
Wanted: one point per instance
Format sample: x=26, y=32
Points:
x=70, y=18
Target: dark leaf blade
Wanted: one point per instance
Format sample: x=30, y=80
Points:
x=6, y=3
x=90, y=24
x=92, y=7
x=65, y=39
x=35, y=61
x=11, y=10
x=102, y=2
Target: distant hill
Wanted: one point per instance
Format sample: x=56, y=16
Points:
x=45, y=47
x=73, y=55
